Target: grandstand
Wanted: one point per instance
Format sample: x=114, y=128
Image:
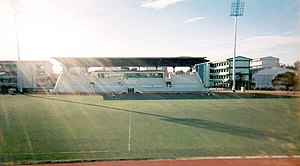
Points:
x=124, y=75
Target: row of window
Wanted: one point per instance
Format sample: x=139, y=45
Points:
x=11, y=73
x=219, y=71
x=8, y=80
x=14, y=66
x=219, y=64
x=220, y=77
x=220, y=83
x=8, y=66
x=130, y=75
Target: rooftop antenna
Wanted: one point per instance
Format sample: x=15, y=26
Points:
x=237, y=9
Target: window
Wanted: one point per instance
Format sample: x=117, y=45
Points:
x=40, y=66
x=92, y=84
x=168, y=84
x=2, y=73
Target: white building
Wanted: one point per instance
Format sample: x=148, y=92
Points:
x=264, y=70
x=263, y=77
x=264, y=62
x=8, y=74
x=25, y=75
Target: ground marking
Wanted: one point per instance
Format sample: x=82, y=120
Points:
x=129, y=128
x=51, y=153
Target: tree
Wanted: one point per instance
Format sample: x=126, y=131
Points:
x=180, y=72
x=297, y=66
x=287, y=79
x=290, y=67
x=240, y=80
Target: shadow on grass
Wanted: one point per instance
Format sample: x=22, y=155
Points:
x=198, y=123
x=228, y=129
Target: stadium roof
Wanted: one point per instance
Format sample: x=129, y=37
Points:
x=130, y=61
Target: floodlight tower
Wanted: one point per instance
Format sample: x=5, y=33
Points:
x=237, y=9
x=20, y=79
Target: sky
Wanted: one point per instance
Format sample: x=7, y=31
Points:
x=148, y=28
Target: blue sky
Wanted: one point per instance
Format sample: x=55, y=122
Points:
x=149, y=28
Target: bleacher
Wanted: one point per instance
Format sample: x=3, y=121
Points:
x=107, y=85
x=151, y=82
x=185, y=79
x=187, y=83
x=83, y=83
x=72, y=83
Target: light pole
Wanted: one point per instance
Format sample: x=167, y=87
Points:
x=20, y=80
x=237, y=9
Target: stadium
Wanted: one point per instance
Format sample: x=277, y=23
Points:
x=172, y=117
x=141, y=111
x=115, y=76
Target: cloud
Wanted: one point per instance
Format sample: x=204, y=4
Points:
x=193, y=19
x=159, y=4
x=282, y=45
x=268, y=41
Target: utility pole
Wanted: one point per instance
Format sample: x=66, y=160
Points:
x=237, y=9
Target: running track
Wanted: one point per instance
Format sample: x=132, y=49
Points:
x=259, y=161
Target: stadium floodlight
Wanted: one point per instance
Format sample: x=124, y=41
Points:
x=20, y=79
x=237, y=9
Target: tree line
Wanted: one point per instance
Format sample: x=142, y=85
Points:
x=289, y=79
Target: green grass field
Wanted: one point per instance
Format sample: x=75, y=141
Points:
x=51, y=128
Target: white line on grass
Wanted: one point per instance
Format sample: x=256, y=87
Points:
x=129, y=127
x=65, y=152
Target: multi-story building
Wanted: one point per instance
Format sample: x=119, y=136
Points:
x=263, y=77
x=264, y=70
x=8, y=74
x=218, y=74
x=25, y=75
x=264, y=62
x=203, y=70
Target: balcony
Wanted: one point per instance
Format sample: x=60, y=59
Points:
x=222, y=67
x=8, y=76
x=8, y=84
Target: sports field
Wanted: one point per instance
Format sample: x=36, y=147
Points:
x=55, y=128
